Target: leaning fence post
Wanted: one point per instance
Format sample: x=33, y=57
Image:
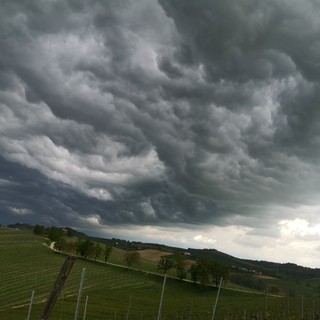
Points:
x=129, y=307
x=85, y=309
x=312, y=309
x=80, y=294
x=30, y=306
x=62, y=277
x=215, y=305
x=160, y=306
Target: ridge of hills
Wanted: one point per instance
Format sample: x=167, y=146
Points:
x=288, y=271
x=31, y=263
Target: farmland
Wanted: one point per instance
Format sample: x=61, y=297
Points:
x=114, y=292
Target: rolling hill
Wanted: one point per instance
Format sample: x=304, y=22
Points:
x=28, y=265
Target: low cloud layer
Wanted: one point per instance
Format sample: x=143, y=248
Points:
x=160, y=114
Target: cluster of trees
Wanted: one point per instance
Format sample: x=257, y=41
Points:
x=204, y=270
x=94, y=250
x=208, y=271
x=53, y=233
x=285, y=270
x=178, y=262
x=249, y=281
x=84, y=248
x=131, y=258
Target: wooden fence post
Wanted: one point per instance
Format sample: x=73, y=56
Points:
x=58, y=286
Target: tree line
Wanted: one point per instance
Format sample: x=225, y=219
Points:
x=205, y=271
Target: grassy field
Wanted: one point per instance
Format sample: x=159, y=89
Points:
x=113, y=292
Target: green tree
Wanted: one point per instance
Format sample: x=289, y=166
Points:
x=165, y=264
x=218, y=271
x=180, y=263
x=68, y=246
x=200, y=271
x=107, y=252
x=97, y=250
x=131, y=258
x=77, y=246
x=86, y=248
x=203, y=270
x=194, y=272
x=249, y=281
x=61, y=244
x=54, y=233
x=39, y=230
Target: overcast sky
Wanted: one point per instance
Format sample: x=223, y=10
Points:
x=189, y=123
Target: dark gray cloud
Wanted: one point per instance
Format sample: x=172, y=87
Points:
x=158, y=113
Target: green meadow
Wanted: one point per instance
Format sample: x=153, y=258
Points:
x=116, y=292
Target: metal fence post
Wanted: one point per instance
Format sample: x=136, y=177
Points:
x=79, y=294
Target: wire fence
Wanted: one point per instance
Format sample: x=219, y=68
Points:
x=29, y=269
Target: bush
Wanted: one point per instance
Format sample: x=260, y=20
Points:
x=54, y=234
x=39, y=230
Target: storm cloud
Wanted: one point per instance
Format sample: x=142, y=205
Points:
x=169, y=113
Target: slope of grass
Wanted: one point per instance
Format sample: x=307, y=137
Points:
x=113, y=292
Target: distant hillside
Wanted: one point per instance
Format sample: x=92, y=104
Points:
x=285, y=270
x=74, y=233
x=224, y=258
x=272, y=269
